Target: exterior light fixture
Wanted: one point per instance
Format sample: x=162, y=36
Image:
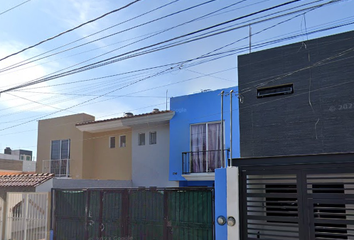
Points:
x=231, y=221
x=221, y=220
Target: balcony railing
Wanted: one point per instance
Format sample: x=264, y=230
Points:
x=61, y=167
x=203, y=161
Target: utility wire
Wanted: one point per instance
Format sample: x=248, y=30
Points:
x=319, y=63
x=239, y=50
x=202, y=17
x=124, y=57
x=116, y=33
x=1, y=13
x=70, y=30
x=27, y=61
x=112, y=59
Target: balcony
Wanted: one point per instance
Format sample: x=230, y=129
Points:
x=203, y=161
x=60, y=167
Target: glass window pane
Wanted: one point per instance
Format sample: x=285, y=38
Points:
x=112, y=142
x=141, y=139
x=65, y=149
x=122, y=141
x=55, y=150
x=214, y=147
x=153, y=137
x=198, y=148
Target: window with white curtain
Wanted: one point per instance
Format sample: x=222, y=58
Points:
x=122, y=141
x=205, y=147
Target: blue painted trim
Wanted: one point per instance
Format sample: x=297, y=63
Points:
x=220, y=202
x=196, y=183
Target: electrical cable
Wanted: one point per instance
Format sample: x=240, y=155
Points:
x=16, y=6
x=27, y=61
x=70, y=30
x=110, y=60
x=263, y=44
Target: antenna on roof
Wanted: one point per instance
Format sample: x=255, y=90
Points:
x=166, y=98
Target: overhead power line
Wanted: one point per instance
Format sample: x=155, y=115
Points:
x=25, y=62
x=1, y=13
x=114, y=58
x=70, y=30
x=36, y=57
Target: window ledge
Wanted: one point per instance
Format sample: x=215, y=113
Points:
x=199, y=176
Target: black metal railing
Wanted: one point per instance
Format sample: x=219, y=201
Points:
x=203, y=161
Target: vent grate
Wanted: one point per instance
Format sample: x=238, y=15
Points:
x=275, y=90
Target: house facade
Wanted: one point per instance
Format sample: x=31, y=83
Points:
x=295, y=176
x=130, y=148
x=196, y=136
x=297, y=99
x=60, y=147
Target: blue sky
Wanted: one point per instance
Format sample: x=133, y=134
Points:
x=95, y=93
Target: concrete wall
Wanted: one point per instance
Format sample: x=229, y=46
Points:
x=45, y=187
x=12, y=165
x=151, y=161
x=83, y=183
x=9, y=156
x=317, y=117
x=59, y=129
x=199, y=108
x=110, y=163
x=29, y=166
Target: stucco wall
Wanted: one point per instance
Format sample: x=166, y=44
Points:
x=59, y=129
x=110, y=163
x=151, y=161
x=199, y=108
x=84, y=183
x=13, y=165
x=87, y=154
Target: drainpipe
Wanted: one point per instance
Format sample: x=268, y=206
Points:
x=231, y=92
x=222, y=128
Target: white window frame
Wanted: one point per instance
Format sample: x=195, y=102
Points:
x=110, y=142
x=120, y=141
x=60, y=146
x=150, y=137
x=139, y=143
x=67, y=160
x=206, y=139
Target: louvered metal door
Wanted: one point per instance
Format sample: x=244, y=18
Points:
x=305, y=203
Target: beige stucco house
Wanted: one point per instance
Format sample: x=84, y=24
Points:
x=131, y=147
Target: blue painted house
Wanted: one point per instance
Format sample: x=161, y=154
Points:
x=195, y=136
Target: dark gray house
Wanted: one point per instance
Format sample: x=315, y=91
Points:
x=298, y=99
x=296, y=168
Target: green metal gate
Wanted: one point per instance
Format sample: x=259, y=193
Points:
x=166, y=214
